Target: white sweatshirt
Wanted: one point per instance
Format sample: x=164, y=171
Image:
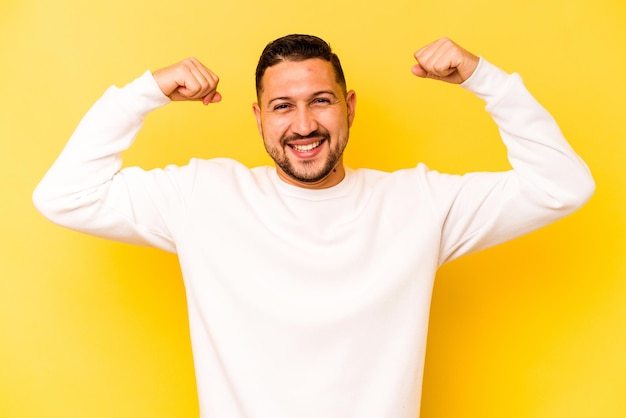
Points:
x=311, y=303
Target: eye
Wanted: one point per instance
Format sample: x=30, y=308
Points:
x=321, y=101
x=281, y=106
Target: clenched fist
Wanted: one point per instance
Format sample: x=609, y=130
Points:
x=188, y=80
x=446, y=61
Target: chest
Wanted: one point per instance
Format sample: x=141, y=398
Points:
x=310, y=253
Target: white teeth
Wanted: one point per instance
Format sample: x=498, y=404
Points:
x=304, y=148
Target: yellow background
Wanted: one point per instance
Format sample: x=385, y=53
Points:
x=533, y=328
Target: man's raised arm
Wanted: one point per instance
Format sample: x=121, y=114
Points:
x=86, y=190
x=548, y=181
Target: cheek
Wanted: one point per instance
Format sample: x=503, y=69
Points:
x=269, y=132
x=337, y=122
x=275, y=127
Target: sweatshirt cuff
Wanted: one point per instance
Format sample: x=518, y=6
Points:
x=143, y=94
x=488, y=82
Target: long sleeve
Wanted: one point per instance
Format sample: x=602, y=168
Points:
x=548, y=179
x=85, y=189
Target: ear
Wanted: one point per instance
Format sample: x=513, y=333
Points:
x=351, y=103
x=256, y=109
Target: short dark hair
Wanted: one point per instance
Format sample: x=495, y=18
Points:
x=297, y=47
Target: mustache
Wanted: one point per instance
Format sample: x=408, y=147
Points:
x=314, y=134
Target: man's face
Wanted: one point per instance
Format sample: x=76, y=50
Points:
x=304, y=118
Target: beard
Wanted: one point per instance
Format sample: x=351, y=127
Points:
x=306, y=171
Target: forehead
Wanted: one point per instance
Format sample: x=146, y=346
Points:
x=294, y=78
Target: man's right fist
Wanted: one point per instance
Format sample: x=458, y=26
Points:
x=188, y=80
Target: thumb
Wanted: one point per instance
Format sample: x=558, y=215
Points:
x=419, y=71
x=443, y=74
x=212, y=97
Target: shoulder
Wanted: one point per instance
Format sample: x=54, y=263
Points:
x=406, y=176
x=218, y=164
x=228, y=174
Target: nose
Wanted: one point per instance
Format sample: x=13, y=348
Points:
x=304, y=121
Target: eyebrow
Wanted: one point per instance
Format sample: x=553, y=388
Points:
x=316, y=94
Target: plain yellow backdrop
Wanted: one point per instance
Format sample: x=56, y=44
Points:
x=533, y=328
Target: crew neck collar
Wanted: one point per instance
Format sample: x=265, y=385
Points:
x=340, y=189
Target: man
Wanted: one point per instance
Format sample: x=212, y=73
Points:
x=309, y=284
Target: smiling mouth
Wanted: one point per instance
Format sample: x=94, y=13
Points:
x=307, y=147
